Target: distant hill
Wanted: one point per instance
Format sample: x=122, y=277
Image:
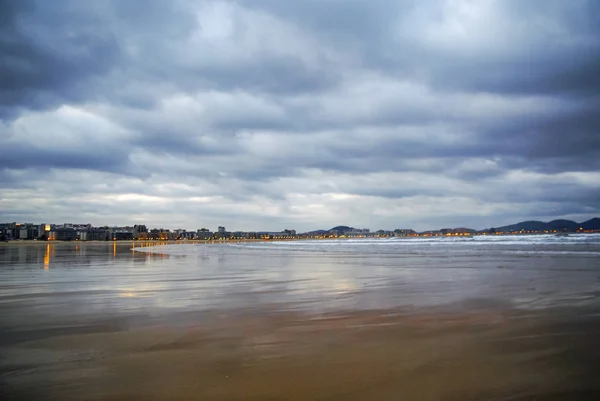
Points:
x=450, y=230
x=338, y=229
x=564, y=225
x=464, y=230
x=529, y=225
x=317, y=232
x=591, y=224
x=341, y=229
x=558, y=225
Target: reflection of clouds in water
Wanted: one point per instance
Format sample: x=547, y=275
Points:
x=344, y=286
x=143, y=289
x=415, y=274
x=111, y=278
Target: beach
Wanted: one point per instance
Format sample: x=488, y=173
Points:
x=326, y=320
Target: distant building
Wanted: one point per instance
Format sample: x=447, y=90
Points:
x=239, y=235
x=285, y=234
x=8, y=230
x=121, y=233
x=404, y=232
x=94, y=235
x=204, y=234
x=221, y=233
x=358, y=231
x=140, y=232
x=78, y=227
x=188, y=235
x=25, y=231
x=31, y=231
x=181, y=233
x=122, y=236
x=63, y=234
x=161, y=234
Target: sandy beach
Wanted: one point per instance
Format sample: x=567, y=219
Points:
x=267, y=322
x=256, y=355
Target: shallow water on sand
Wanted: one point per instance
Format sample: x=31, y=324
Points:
x=426, y=319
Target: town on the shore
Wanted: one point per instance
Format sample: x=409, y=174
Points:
x=140, y=232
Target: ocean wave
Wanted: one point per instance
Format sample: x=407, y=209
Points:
x=585, y=244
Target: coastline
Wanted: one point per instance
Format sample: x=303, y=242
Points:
x=241, y=240
x=134, y=242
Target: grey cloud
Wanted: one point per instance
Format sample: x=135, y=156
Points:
x=553, y=48
x=25, y=157
x=48, y=52
x=274, y=75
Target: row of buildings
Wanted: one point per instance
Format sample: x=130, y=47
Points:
x=23, y=231
x=87, y=232
x=349, y=232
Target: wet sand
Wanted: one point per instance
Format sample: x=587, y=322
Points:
x=479, y=349
x=375, y=355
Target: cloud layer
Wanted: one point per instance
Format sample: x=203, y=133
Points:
x=263, y=114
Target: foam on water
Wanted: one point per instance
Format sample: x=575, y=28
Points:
x=579, y=244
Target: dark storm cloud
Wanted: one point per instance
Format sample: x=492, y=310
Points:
x=342, y=21
x=562, y=55
x=566, y=141
x=69, y=51
x=291, y=77
x=306, y=110
x=26, y=157
x=48, y=52
x=7, y=179
x=556, y=47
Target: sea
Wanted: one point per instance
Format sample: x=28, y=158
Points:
x=51, y=291
x=48, y=283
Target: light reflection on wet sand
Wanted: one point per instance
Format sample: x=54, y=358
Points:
x=98, y=322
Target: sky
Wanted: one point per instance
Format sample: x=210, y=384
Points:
x=270, y=114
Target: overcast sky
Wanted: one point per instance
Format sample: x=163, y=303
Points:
x=273, y=114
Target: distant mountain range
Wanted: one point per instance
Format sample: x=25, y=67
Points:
x=529, y=225
x=341, y=228
x=558, y=225
x=338, y=229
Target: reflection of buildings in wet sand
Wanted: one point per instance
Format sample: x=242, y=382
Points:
x=155, y=250
x=47, y=257
x=60, y=255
